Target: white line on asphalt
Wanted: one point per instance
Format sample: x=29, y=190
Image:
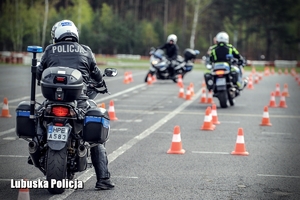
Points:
x=208, y=152
x=274, y=133
x=230, y=122
x=279, y=176
x=120, y=129
x=13, y=156
x=114, y=155
x=7, y=131
x=10, y=138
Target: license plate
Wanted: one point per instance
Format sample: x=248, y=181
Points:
x=58, y=133
x=221, y=81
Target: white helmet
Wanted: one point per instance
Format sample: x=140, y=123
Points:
x=222, y=37
x=53, y=31
x=65, y=31
x=172, y=37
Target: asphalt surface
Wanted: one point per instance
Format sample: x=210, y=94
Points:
x=139, y=140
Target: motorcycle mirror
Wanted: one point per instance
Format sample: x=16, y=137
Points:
x=208, y=66
x=110, y=72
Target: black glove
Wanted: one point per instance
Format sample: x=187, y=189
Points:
x=241, y=63
x=100, y=84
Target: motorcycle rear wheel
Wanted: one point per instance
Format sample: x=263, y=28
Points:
x=56, y=168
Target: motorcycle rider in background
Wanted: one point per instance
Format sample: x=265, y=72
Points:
x=66, y=51
x=171, y=53
x=221, y=49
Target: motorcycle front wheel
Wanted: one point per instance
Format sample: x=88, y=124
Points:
x=56, y=168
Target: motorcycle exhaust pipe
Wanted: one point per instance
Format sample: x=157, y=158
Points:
x=34, y=153
x=82, y=158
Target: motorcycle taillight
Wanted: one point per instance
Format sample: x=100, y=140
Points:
x=220, y=72
x=60, y=111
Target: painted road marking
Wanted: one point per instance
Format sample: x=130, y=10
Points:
x=10, y=138
x=114, y=155
x=13, y=156
x=277, y=176
x=8, y=131
x=208, y=152
x=230, y=122
x=274, y=133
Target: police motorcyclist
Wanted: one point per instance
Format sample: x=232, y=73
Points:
x=219, y=54
x=66, y=51
x=171, y=52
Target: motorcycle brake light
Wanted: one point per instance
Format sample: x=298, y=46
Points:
x=60, y=111
x=60, y=79
x=58, y=124
x=220, y=72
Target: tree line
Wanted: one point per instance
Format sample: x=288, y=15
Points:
x=256, y=27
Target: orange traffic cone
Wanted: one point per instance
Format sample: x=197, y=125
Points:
x=277, y=90
x=203, y=96
x=265, y=120
x=5, y=109
x=130, y=78
x=266, y=71
x=214, y=114
x=203, y=83
x=260, y=76
x=102, y=105
x=208, y=125
x=272, y=70
x=286, y=71
x=181, y=92
x=179, y=81
x=279, y=71
x=250, y=84
x=188, y=94
x=240, y=148
x=256, y=80
x=192, y=89
x=253, y=70
x=282, y=103
x=272, y=102
x=126, y=78
x=111, y=111
x=153, y=78
x=210, y=97
x=176, y=146
x=23, y=194
x=285, y=90
x=149, y=79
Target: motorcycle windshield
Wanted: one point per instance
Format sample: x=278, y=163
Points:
x=159, y=53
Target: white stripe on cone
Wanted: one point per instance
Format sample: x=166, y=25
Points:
x=176, y=138
x=240, y=139
x=265, y=115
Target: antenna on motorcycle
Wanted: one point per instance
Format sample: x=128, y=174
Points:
x=34, y=50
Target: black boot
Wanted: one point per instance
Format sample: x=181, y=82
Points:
x=100, y=162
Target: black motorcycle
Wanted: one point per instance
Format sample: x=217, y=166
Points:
x=223, y=79
x=159, y=64
x=61, y=130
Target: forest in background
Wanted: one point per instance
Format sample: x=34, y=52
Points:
x=256, y=27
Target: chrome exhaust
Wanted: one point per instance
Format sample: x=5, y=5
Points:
x=34, y=153
x=82, y=158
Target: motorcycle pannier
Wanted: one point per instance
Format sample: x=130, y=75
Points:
x=25, y=127
x=96, y=126
x=61, y=84
x=189, y=54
